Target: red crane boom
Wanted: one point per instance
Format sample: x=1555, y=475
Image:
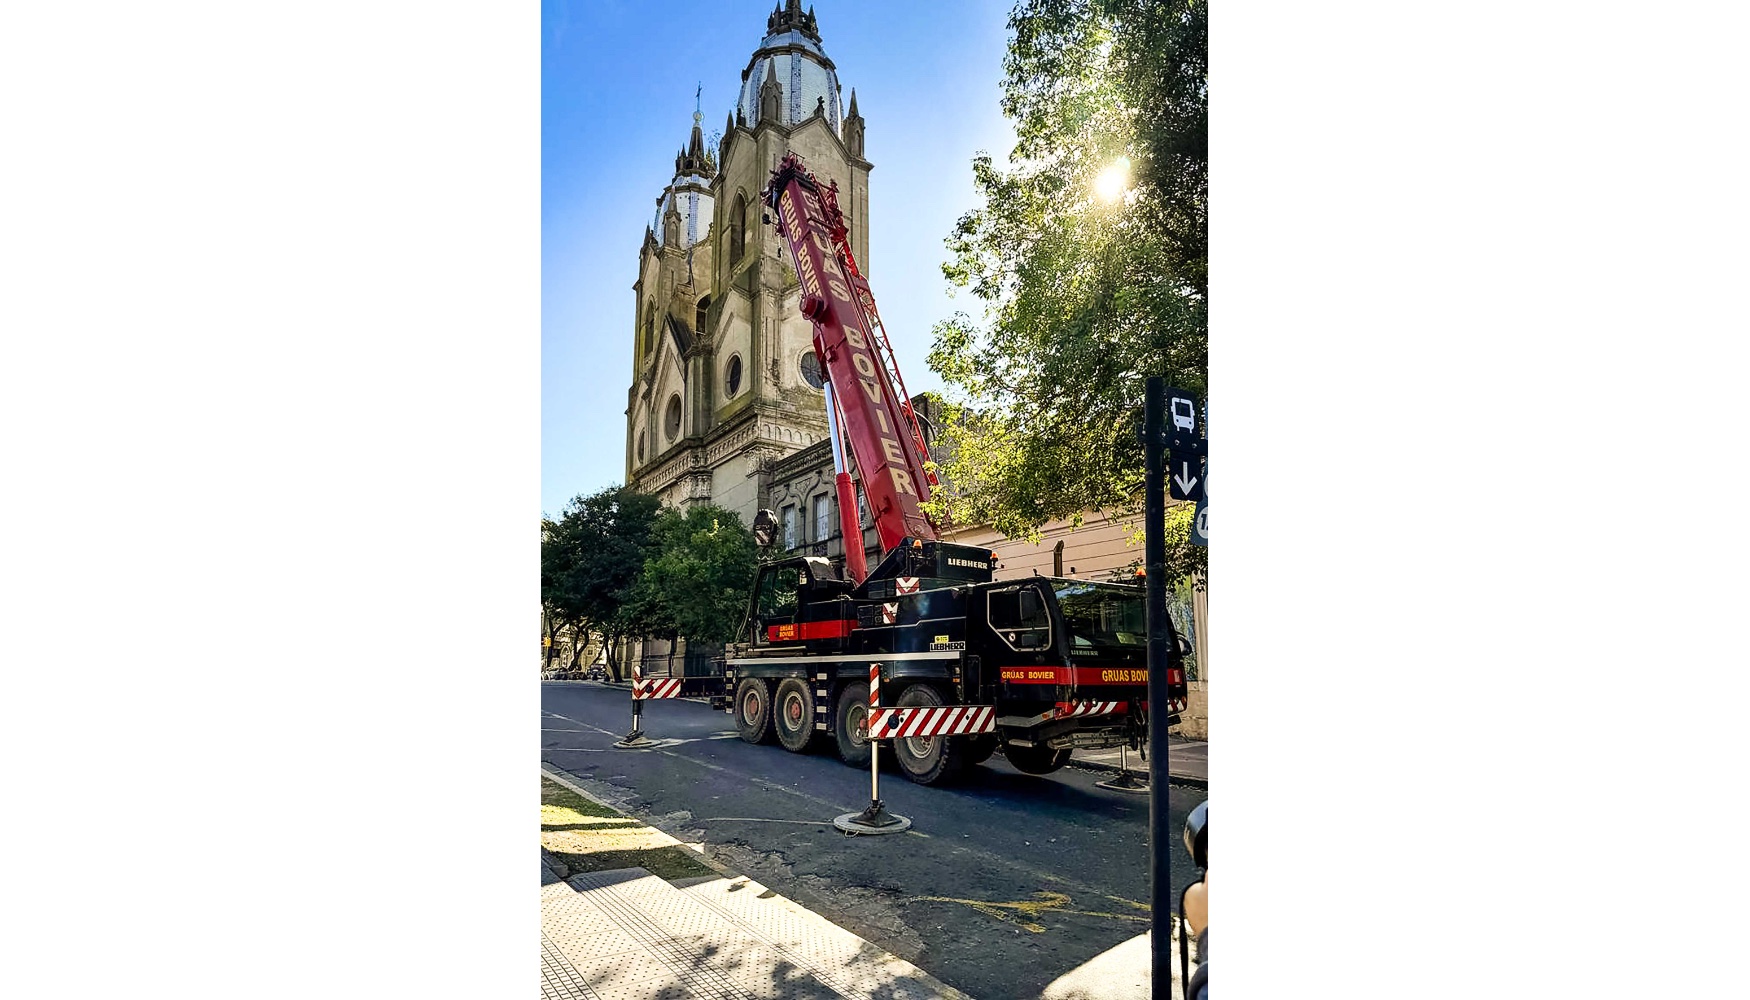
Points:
x=878, y=423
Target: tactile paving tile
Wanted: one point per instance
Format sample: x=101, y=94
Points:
x=835, y=956
x=580, y=929
x=706, y=948
x=612, y=963
x=559, y=978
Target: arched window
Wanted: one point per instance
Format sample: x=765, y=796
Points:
x=809, y=367
x=671, y=421
x=732, y=376
x=738, y=229
x=699, y=319
x=649, y=327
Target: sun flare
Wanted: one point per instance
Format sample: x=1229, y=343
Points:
x=1113, y=180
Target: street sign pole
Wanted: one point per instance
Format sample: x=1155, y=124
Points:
x=1159, y=704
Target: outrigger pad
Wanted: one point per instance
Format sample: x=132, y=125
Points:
x=1127, y=781
x=873, y=820
x=635, y=740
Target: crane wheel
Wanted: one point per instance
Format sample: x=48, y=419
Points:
x=977, y=749
x=753, y=710
x=1036, y=760
x=793, y=714
x=849, y=722
x=927, y=760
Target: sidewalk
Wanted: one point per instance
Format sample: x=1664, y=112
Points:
x=626, y=933
x=1187, y=761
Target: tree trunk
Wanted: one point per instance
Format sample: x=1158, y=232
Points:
x=613, y=664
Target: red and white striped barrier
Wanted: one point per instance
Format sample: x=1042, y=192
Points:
x=951, y=720
x=1076, y=709
x=923, y=720
x=905, y=585
x=657, y=687
x=889, y=613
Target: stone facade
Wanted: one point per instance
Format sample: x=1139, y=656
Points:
x=720, y=388
x=803, y=494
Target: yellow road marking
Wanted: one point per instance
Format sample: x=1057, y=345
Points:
x=1048, y=902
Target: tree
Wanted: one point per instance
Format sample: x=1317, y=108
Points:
x=591, y=559
x=697, y=580
x=1083, y=297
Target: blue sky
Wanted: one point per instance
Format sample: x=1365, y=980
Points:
x=617, y=81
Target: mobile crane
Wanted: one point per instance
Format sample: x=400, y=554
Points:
x=1063, y=662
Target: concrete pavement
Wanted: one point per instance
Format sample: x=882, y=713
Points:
x=627, y=934
x=944, y=907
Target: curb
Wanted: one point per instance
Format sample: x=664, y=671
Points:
x=565, y=781
x=1177, y=779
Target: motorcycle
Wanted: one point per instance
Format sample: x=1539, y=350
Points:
x=1197, y=845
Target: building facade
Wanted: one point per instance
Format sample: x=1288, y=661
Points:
x=724, y=378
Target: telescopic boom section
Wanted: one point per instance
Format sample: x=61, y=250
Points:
x=878, y=423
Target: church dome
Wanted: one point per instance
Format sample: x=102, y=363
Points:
x=689, y=194
x=792, y=55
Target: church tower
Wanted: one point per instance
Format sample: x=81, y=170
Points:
x=725, y=380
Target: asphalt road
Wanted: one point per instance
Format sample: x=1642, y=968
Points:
x=1003, y=884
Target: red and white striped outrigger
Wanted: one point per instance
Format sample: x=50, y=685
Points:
x=954, y=720
x=920, y=720
x=1076, y=709
x=656, y=687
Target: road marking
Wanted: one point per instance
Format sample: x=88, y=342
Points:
x=755, y=819
x=763, y=783
x=1049, y=902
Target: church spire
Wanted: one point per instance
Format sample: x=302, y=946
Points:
x=770, y=95
x=852, y=129
x=790, y=17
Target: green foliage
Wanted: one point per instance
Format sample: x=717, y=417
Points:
x=1083, y=298
x=697, y=580
x=592, y=556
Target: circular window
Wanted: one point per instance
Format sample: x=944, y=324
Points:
x=640, y=446
x=732, y=375
x=671, y=423
x=810, y=368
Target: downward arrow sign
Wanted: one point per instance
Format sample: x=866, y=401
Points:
x=1183, y=478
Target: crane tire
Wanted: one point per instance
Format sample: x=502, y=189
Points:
x=848, y=724
x=753, y=710
x=927, y=760
x=793, y=714
x=1036, y=760
x=977, y=749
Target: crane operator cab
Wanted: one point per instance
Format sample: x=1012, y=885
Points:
x=799, y=600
